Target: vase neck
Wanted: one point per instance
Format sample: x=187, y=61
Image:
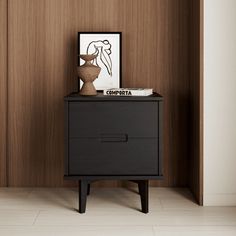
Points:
x=88, y=63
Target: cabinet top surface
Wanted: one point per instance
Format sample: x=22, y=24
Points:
x=101, y=97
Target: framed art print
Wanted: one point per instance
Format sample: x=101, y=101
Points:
x=107, y=47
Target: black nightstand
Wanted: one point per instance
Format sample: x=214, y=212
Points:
x=110, y=137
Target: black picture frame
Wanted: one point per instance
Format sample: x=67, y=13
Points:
x=103, y=81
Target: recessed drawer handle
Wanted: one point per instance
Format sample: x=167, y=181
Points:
x=114, y=138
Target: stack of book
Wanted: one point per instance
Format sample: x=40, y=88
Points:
x=128, y=92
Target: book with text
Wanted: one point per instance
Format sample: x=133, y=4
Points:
x=128, y=92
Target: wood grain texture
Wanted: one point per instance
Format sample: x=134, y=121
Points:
x=201, y=107
x=43, y=59
x=3, y=91
x=196, y=99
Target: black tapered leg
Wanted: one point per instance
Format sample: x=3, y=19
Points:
x=143, y=191
x=83, y=191
x=139, y=187
x=88, y=191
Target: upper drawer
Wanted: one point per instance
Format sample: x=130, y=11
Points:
x=93, y=119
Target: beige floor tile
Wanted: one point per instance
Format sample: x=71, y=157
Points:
x=95, y=218
x=39, y=199
x=108, y=207
x=178, y=204
x=17, y=217
x=108, y=231
x=25, y=231
x=195, y=231
x=197, y=217
x=135, y=218
x=9, y=193
x=38, y=203
x=77, y=230
x=172, y=193
x=123, y=232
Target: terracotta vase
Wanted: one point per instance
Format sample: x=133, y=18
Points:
x=88, y=73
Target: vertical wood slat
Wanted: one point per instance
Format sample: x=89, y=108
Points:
x=201, y=101
x=42, y=55
x=196, y=98
x=40, y=75
x=3, y=91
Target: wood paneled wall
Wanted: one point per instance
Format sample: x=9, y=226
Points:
x=3, y=91
x=196, y=98
x=42, y=58
x=42, y=52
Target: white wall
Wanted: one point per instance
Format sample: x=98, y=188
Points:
x=219, y=102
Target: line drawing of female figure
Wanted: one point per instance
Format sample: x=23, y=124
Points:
x=101, y=48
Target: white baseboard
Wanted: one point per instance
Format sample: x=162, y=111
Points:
x=219, y=199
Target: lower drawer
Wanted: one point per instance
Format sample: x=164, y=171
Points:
x=131, y=157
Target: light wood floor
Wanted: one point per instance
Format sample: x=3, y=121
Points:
x=48, y=211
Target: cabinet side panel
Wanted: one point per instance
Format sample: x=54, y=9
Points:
x=66, y=137
x=196, y=112
x=160, y=136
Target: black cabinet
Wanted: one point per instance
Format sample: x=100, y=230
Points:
x=109, y=137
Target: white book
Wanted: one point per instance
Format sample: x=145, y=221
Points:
x=128, y=91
